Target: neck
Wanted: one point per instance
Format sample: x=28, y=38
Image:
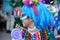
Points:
x=31, y=25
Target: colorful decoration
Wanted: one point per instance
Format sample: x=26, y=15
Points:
x=50, y=26
x=56, y=20
x=36, y=1
x=14, y=12
x=23, y=30
x=28, y=36
x=17, y=12
x=40, y=0
x=42, y=18
x=17, y=26
x=37, y=36
x=35, y=9
x=29, y=2
x=26, y=2
x=44, y=33
x=44, y=1
x=16, y=34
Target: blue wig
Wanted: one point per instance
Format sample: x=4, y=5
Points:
x=44, y=17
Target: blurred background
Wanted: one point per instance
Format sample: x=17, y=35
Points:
x=8, y=20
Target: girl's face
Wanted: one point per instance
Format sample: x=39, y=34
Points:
x=27, y=22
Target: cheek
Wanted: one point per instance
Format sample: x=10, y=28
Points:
x=25, y=22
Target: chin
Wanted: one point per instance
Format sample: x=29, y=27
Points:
x=24, y=25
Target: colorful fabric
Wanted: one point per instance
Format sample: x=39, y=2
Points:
x=37, y=36
x=45, y=34
x=35, y=9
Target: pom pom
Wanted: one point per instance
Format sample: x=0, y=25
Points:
x=17, y=12
x=16, y=34
x=36, y=1
x=17, y=26
x=26, y=2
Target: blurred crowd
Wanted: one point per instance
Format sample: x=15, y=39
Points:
x=6, y=21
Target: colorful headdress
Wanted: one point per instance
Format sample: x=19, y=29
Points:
x=17, y=12
x=29, y=2
x=43, y=18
